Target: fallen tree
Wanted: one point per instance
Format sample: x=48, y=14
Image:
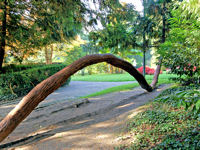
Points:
x=46, y=87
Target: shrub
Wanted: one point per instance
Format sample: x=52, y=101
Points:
x=148, y=70
x=13, y=85
x=16, y=68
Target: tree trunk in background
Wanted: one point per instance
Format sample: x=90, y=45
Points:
x=158, y=68
x=156, y=74
x=46, y=87
x=83, y=72
x=46, y=54
x=3, y=35
x=111, y=69
x=144, y=39
x=49, y=54
x=144, y=62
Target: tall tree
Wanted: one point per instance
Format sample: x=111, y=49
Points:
x=3, y=24
x=144, y=29
x=182, y=47
x=161, y=9
x=29, y=24
x=16, y=27
x=116, y=35
x=152, y=28
x=57, y=23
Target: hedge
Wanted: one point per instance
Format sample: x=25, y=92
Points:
x=15, y=68
x=16, y=84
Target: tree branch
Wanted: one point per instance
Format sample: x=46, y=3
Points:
x=46, y=87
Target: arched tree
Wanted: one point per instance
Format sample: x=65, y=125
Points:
x=42, y=90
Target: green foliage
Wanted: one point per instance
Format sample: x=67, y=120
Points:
x=116, y=36
x=181, y=50
x=99, y=68
x=56, y=20
x=19, y=33
x=20, y=83
x=16, y=68
x=74, y=54
x=187, y=97
x=31, y=25
x=117, y=77
x=184, y=141
x=163, y=126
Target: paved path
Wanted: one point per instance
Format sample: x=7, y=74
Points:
x=80, y=88
x=74, y=90
x=65, y=94
x=91, y=125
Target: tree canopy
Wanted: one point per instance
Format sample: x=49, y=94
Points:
x=182, y=48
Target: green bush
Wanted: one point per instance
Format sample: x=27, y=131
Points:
x=13, y=85
x=180, y=51
x=17, y=68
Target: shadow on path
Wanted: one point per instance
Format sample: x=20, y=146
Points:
x=82, y=127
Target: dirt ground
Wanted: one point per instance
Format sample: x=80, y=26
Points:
x=84, y=124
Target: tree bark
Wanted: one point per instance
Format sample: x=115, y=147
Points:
x=156, y=74
x=49, y=54
x=144, y=62
x=3, y=35
x=144, y=39
x=46, y=87
x=158, y=68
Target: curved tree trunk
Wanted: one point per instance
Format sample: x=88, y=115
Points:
x=46, y=87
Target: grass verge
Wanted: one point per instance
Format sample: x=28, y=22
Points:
x=163, y=126
x=124, y=88
x=113, y=89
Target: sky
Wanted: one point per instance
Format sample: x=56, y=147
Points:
x=136, y=3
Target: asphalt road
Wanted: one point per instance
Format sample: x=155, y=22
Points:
x=80, y=88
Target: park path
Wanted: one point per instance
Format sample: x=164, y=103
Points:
x=66, y=95
x=78, y=89
x=82, y=124
x=72, y=91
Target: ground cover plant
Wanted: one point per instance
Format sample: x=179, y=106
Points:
x=165, y=124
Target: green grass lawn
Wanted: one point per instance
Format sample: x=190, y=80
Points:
x=126, y=87
x=115, y=77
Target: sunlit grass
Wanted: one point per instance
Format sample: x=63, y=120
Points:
x=124, y=88
x=115, y=77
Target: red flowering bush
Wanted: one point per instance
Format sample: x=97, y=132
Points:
x=148, y=70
